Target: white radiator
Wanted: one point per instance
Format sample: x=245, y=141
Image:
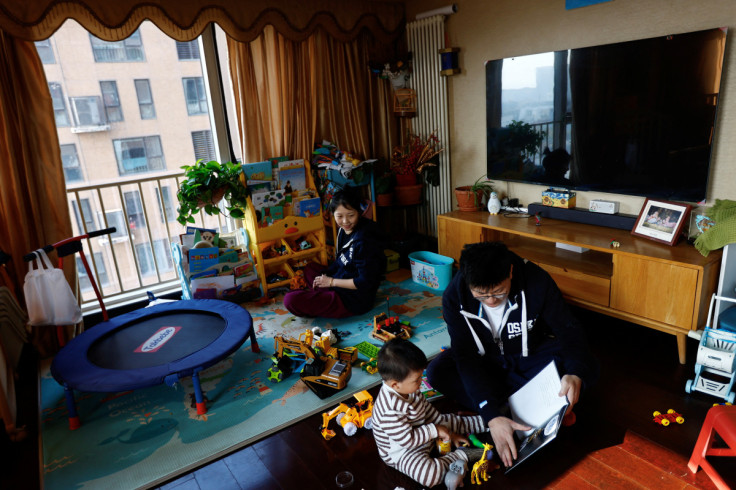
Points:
x=426, y=37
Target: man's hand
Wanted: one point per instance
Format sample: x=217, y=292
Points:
x=570, y=387
x=502, y=432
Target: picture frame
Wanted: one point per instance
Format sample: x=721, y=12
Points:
x=661, y=221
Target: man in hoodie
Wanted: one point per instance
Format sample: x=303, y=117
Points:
x=507, y=320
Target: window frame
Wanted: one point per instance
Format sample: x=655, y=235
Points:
x=201, y=94
x=139, y=83
x=113, y=107
x=149, y=145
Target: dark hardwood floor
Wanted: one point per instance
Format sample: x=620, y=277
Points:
x=614, y=443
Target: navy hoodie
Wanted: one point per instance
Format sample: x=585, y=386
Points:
x=534, y=302
x=359, y=256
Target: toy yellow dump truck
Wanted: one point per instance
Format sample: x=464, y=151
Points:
x=350, y=416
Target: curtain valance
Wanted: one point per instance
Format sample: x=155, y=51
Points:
x=184, y=20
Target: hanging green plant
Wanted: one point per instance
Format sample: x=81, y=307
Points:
x=205, y=184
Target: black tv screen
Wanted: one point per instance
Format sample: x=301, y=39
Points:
x=634, y=118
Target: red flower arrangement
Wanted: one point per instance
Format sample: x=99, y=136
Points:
x=415, y=155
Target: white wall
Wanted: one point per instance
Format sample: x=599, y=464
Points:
x=492, y=29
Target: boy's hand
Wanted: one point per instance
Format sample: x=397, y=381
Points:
x=570, y=387
x=502, y=432
x=459, y=440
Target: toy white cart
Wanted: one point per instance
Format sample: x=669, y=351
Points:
x=716, y=361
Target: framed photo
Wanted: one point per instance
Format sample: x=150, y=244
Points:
x=661, y=221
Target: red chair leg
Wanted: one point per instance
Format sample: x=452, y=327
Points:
x=721, y=419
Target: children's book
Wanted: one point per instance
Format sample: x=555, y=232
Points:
x=538, y=405
x=427, y=390
x=308, y=207
x=258, y=171
x=202, y=258
x=266, y=199
x=292, y=175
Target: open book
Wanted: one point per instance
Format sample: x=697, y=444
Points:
x=538, y=405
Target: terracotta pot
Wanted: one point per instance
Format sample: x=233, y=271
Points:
x=384, y=199
x=216, y=197
x=468, y=200
x=406, y=179
x=406, y=195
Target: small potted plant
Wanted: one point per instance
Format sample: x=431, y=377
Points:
x=470, y=197
x=205, y=184
x=385, y=188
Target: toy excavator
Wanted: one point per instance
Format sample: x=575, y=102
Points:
x=323, y=375
x=350, y=417
x=386, y=328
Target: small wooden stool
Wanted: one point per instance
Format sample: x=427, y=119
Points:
x=720, y=419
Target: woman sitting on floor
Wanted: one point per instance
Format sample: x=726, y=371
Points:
x=348, y=286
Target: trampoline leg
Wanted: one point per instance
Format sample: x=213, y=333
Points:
x=71, y=407
x=253, y=342
x=198, y=397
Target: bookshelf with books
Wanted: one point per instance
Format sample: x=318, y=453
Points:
x=284, y=231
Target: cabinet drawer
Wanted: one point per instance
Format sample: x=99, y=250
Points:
x=579, y=285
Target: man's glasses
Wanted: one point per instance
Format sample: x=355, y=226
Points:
x=489, y=296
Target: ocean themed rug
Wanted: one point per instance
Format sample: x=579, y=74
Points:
x=141, y=438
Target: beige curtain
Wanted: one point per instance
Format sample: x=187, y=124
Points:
x=292, y=94
x=183, y=20
x=33, y=206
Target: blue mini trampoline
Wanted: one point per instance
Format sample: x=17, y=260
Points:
x=150, y=346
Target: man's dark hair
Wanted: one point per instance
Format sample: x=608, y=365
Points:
x=485, y=264
x=347, y=197
x=398, y=358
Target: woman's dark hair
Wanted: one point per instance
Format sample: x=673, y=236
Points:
x=348, y=197
x=485, y=264
x=398, y=358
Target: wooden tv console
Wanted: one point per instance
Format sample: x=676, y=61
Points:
x=642, y=281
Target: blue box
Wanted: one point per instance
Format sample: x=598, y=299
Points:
x=430, y=269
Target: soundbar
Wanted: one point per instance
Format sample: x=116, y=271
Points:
x=580, y=215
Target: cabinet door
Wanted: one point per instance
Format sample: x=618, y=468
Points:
x=453, y=235
x=655, y=290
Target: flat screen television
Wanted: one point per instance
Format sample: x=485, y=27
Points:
x=635, y=118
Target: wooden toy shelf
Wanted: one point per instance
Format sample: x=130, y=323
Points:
x=285, y=235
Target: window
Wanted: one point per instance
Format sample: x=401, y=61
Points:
x=163, y=255
x=46, y=52
x=88, y=111
x=57, y=99
x=85, y=219
x=137, y=155
x=115, y=218
x=187, y=50
x=130, y=49
x=195, y=95
x=112, y=101
x=70, y=162
x=145, y=99
x=145, y=259
x=203, y=146
x=136, y=218
x=167, y=210
x=84, y=282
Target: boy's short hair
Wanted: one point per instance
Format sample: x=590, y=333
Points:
x=347, y=197
x=398, y=358
x=485, y=264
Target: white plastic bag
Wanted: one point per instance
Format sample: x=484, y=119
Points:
x=49, y=299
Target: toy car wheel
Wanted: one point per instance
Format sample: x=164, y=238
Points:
x=368, y=424
x=339, y=417
x=689, y=386
x=275, y=375
x=665, y=422
x=350, y=429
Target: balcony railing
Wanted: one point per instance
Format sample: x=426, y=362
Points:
x=137, y=257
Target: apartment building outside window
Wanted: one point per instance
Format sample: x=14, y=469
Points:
x=187, y=50
x=88, y=111
x=195, y=96
x=70, y=161
x=204, y=147
x=145, y=99
x=45, y=51
x=57, y=99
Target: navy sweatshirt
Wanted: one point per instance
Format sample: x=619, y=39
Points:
x=359, y=256
x=551, y=331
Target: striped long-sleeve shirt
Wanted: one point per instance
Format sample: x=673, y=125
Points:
x=401, y=424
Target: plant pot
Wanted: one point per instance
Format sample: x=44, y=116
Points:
x=405, y=195
x=216, y=197
x=384, y=199
x=468, y=200
x=406, y=179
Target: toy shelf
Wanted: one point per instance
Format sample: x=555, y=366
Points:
x=276, y=247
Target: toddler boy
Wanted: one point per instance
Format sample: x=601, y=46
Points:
x=406, y=425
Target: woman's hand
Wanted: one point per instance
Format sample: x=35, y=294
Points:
x=322, y=282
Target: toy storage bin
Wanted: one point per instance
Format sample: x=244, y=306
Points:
x=430, y=269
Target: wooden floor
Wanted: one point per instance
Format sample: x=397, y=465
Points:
x=614, y=443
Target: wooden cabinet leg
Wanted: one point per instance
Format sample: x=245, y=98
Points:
x=681, y=346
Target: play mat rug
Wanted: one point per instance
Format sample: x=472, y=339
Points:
x=141, y=438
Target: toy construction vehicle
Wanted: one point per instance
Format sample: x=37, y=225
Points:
x=386, y=328
x=323, y=375
x=351, y=417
